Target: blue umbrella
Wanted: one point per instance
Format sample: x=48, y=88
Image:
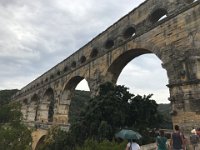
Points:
x=128, y=134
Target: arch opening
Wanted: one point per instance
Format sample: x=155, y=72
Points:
x=25, y=101
x=58, y=72
x=76, y=83
x=74, y=98
x=190, y=1
x=94, y=53
x=158, y=15
x=129, y=32
x=117, y=66
x=66, y=68
x=24, y=108
x=82, y=59
x=33, y=108
x=73, y=64
x=109, y=44
x=142, y=69
x=40, y=143
x=36, y=99
x=49, y=102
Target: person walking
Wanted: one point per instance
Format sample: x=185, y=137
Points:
x=177, y=139
x=194, y=140
x=161, y=141
x=132, y=145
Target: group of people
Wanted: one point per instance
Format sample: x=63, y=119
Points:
x=177, y=141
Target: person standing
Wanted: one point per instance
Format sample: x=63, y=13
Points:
x=161, y=141
x=198, y=132
x=132, y=145
x=194, y=139
x=177, y=139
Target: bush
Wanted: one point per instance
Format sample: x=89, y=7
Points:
x=13, y=134
x=104, y=145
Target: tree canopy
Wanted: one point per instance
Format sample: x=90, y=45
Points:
x=115, y=108
x=13, y=134
x=112, y=109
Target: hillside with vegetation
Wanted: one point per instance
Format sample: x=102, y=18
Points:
x=14, y=135
x=5, y=96
x=78, y=104
x=164, y=109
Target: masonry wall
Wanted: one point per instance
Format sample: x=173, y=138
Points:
x=174, y=40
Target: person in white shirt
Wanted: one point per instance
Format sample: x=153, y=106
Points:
x=132, y=145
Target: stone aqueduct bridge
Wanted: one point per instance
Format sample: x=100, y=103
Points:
x=175, y=40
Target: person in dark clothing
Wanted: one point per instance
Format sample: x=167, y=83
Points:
x=177, y=139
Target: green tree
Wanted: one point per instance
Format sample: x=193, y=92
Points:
x=143, y=112
x=13, y=134
x=57, y=139
x=115, y=108
x=103, y=145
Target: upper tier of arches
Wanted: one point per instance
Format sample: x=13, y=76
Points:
x=143, y=18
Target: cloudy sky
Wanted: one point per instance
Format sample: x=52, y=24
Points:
x=35, y=35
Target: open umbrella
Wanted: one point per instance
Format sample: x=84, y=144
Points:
x=128, y=134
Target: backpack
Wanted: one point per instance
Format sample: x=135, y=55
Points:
x=194, y=139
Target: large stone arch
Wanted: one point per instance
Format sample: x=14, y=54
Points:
x=65, y=99
x=129, y=51
x=69, y=88
x=175, y=40
x=46, y=109
x=120, y=62
x=38, y=137
x=24, y=108
x=40, y=142
x=182, y=72
x=33, y=108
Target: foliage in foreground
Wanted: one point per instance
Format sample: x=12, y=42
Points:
x=61, y=140
x=57, y=139
x=13, y=134
x=113, y=109
x=104, y=145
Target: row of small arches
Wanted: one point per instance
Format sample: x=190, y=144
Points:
x=129, y=32
x=156, y=16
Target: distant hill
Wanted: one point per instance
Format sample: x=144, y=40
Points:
x=5, y=96
x=165, y=109
x=78, y=103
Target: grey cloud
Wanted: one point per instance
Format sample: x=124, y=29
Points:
x=143, y=78
x=36, y=35
x=144, y=75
